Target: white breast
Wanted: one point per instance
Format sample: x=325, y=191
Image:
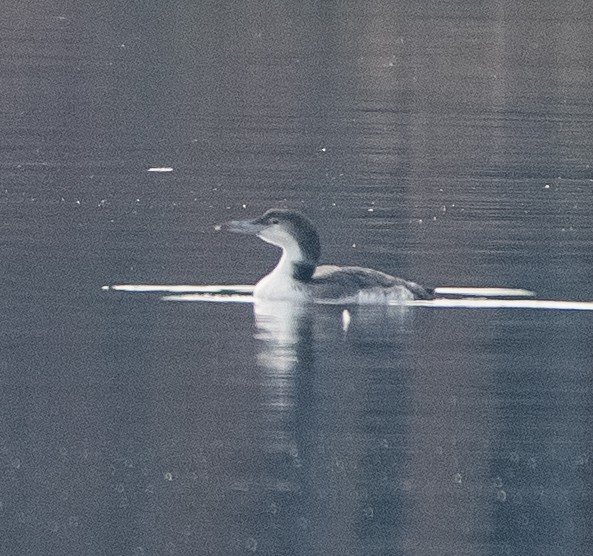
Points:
x=279, y=286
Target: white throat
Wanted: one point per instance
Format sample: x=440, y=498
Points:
x=280, y=283
x=291, y=250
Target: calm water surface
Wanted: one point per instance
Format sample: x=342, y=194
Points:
x=446, y=142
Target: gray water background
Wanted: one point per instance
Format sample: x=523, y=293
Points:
x=446, y=142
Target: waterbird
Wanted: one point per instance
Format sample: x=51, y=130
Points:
x=297, y=276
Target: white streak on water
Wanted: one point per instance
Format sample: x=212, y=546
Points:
x=484, y=292
x=243, y=294
x=180, y=288
x=557, y=305
x=210, y=297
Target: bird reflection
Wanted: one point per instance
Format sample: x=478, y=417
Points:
x=314, y=412
x=285, y=357
x=282, y=327
x=288, y=334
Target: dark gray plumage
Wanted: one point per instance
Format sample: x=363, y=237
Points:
x=330, y=280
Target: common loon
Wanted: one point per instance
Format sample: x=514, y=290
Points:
x=297, y=276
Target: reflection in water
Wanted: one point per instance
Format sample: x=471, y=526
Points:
x=281, y=327
x=284, y=331
x=389, y=434
x=315, y=399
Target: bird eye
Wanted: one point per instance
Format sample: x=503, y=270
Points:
x=274, y=221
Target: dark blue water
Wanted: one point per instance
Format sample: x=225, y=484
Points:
x=445, y=142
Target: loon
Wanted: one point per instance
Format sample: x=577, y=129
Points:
x=297, y=276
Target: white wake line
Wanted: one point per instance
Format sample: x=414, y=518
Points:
x=484, y=292
x=210, y=298
x=546, y=304
x=180, y=288
x=241, y=288
x=540, y=304
x=243, y=294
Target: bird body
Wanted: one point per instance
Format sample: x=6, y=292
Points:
x=298, y=278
